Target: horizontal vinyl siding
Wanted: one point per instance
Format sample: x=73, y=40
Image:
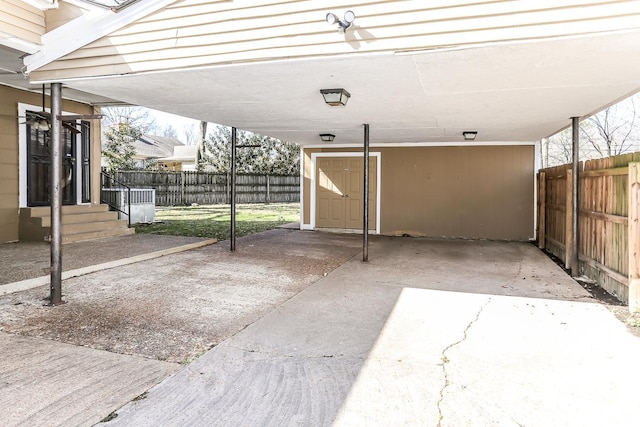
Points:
x=21, y=20
x=8, y=164
x=194, y=33
x=65, y=12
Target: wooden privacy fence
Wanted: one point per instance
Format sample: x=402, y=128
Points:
x=204, y=188
x=608, y=221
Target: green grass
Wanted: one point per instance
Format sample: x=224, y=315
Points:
x=213, y=221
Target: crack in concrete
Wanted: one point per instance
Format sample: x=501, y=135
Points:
x=445, y=360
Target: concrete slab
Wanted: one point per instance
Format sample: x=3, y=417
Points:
x=172, y=308
x=429, y=333
x=30, y=260
x=47, y=383
x=35, y=282
x=176, y=307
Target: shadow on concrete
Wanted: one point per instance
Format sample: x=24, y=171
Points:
x=428, y=332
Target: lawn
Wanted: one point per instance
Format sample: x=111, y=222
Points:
x=213, y=221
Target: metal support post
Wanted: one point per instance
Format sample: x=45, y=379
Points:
x=575, y=124
x=232, y=237
x=55, y=191
x=365, y=212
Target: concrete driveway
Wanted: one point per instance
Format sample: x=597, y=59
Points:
x=428, y=333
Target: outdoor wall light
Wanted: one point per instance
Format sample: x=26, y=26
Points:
x=469, y=135
x=343, y=24
x=335, y=97
x=327, y=137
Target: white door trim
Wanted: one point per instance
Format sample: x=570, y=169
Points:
x=312, y=199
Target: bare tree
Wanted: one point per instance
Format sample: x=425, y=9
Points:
x=613, y=131
x=137, y=117
x=169, y=131
x=559, y=149
x=191, y=134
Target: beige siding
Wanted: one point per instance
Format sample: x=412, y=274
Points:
x=21, y=20
x=65, y=12
x=460, y=192
x=193, y=33
x=9, y=152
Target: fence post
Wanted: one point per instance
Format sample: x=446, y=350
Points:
x=182, y=184
x=634, y=237
x=542, y=200
x=268, y=191
x=568, y=220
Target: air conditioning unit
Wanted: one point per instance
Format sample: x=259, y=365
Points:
x=142, y=203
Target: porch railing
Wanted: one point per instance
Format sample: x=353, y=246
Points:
x=107, y=182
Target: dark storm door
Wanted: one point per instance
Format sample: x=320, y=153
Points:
x=85, y=154
x=39, y=167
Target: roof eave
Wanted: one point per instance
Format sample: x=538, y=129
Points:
x=86, y=29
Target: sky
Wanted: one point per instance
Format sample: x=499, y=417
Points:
x=178, y=122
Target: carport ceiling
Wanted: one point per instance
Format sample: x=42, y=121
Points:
x=506, y=92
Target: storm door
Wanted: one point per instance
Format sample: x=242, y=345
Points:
x=39, y=166
x=85, y=165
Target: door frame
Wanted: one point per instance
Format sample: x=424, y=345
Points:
x=312, y=202
x=23, y=161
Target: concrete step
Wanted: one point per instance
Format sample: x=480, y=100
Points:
x=84, y=227
x=79, y=218
x=92, y=235
x=42, y=211
x=83, y=222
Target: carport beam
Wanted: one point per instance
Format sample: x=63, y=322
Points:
x=232, y=237
x=365, y=210
x=575, y=124
x=55, y=297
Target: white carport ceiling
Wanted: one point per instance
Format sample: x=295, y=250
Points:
x=507, y=92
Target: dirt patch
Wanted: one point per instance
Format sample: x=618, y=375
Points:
x=176, y=307
x=617, y=307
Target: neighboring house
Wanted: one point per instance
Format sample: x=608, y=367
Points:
x=184, y=158
x=421, y=74
x=151, y=149
x=164, y=153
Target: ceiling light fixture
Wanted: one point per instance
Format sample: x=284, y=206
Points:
x=327, y=137
x=343, y=24
x=335, y=97
x=469, y=135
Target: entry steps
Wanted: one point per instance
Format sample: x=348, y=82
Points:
x=79, y=222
